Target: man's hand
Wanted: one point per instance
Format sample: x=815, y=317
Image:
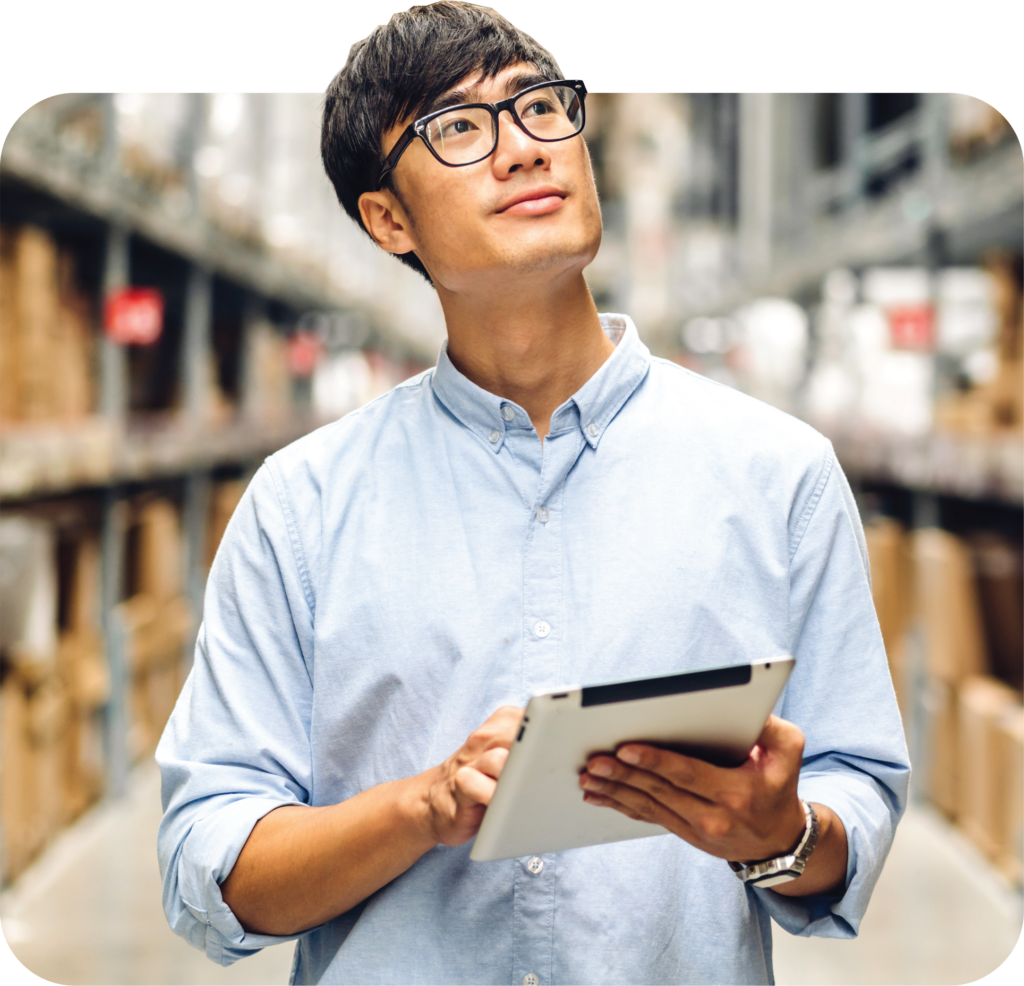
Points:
x=747, y=813
x=458, y=791
x=302, y=866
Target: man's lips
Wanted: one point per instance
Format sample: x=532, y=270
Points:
x=536, y=202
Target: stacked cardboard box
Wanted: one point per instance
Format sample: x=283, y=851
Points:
x=948, y=611
x=156, y=621
x=225, y=498
x=891, y=588
x=33, y=701
x=989, y=792
x=1010, y=753
x=999, y=567
x=953, y=609
x=83, y=668
x=46, y=331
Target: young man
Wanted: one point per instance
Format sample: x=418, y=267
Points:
x=548, y=505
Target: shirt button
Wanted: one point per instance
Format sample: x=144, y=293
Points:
x=493, y=437
x=530, y=979
x=542, y=628
x=592, y=429
x=542, y=514
x=507, y=413
x=535, y=865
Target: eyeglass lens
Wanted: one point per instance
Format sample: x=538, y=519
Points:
x=462, y=136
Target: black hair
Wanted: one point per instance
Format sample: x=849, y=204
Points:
x=401, y=68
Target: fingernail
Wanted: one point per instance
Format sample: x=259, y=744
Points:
x=601, y=769
x=629, y=756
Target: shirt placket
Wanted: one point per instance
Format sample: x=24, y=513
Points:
x=543, y=630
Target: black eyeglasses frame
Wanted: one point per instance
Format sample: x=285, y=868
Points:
x=418, y=127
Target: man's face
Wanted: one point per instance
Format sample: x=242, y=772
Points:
x=529, y=209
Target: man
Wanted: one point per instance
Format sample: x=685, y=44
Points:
x=548, y=505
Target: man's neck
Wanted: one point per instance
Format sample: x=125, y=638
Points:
x=536, y=348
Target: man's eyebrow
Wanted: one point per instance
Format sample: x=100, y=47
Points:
x=470, y=94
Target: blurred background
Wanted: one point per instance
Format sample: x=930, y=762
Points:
x=181, y=295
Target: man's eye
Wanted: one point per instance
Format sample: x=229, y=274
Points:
x=453, y=128
x=540, y=107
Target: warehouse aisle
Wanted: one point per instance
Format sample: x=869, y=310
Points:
x=939, y=914
x=89, y=912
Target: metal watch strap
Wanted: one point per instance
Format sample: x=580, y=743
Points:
x=782, y=869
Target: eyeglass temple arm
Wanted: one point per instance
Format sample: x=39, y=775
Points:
x=396, y=152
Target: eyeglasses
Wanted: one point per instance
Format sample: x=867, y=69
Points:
x=467, y=133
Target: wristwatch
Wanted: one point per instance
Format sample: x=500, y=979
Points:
x=782, y=869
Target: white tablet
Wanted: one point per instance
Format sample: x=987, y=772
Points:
x=716, y=714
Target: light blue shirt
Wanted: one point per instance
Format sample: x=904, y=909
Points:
x=375, y=599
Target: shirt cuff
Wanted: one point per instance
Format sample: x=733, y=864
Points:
x=869, y=817
x=208, y=856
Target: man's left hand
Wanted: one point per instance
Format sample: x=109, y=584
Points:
x=746, y=813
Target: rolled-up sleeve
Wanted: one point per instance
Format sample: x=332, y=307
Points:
x=841, y=696
x=237, y=744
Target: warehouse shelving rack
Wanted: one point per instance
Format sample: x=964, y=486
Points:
x=115, y=452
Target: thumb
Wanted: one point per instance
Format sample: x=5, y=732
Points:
x=780, y=739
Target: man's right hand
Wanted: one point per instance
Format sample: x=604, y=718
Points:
x=302, y=866
x=458, y=791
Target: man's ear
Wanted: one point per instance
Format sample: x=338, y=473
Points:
x=386, y=221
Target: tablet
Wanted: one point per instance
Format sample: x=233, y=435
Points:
x=716, y=714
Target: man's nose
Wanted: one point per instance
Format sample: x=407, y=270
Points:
x=516, y=149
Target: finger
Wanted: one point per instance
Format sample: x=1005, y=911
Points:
x=686, y=773
x=503, y=724
x=637, y=804
x=473, y=787
x=492, y=762
x=602, y=802
x=642, y=789
x=781, y=737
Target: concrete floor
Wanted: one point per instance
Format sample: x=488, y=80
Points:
x=89, y=912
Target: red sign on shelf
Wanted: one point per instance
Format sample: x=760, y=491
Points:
x=912, y=327
x=304, y=349
x=134, y=316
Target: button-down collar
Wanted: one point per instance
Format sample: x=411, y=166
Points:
x=590, y=409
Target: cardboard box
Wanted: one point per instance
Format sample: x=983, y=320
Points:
x=999, y=565
x=86, y=676
x=943, y=747
x=32, y=768
x=37, y=310
x=155, y=636
x=15, y=774
x=891, y=588
x=159, y=564
x=947, y=603
x=983, y=702
x=223, y=502
x=1010, y=746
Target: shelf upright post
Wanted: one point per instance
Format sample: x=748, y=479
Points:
x=249, y=395
x=113, y=359
x=196, y=353
x=115, y=511
x=854, y=124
